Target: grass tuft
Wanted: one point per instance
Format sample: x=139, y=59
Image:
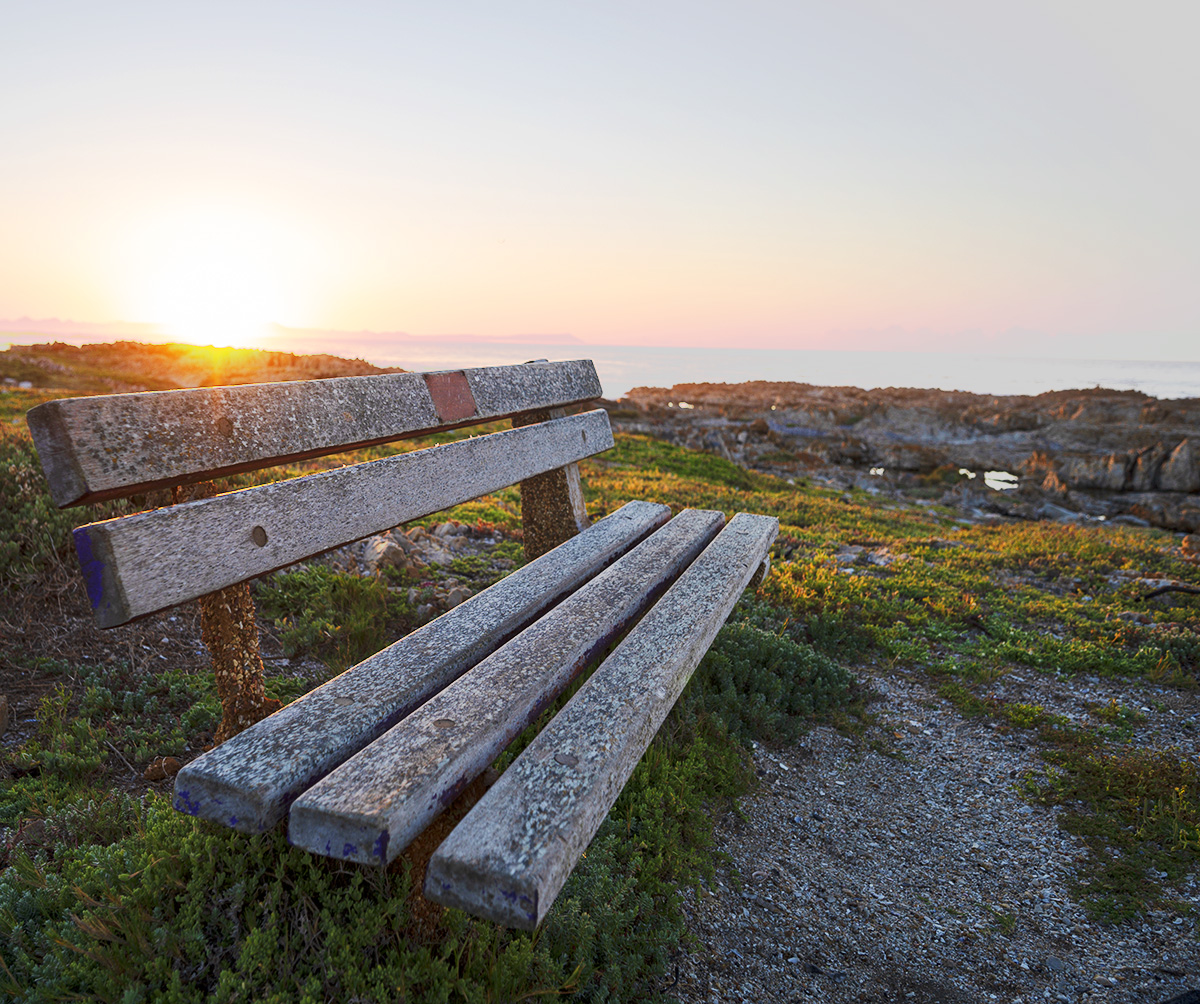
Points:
x=1138, y=811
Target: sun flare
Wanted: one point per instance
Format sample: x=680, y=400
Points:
x=215, y=277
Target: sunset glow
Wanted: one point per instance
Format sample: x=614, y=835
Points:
x=212, y=276
x=1007, y=178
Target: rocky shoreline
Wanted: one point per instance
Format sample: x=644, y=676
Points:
x=1085, y=454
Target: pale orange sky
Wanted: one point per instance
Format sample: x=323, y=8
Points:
x=988, y=177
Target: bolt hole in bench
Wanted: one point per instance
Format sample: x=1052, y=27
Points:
x=359, y=767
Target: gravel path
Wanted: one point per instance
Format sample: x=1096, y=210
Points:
x=858, y=876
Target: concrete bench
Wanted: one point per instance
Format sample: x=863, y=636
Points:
x=360, y=765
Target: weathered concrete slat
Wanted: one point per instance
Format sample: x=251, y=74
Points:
x=152, y=560
x=249, y=781
x=508, y=859
x=93, y=448
x=371, y=807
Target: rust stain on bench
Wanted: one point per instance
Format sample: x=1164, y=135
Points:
x=451, y=395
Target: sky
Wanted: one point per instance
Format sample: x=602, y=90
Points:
x=1015, y=177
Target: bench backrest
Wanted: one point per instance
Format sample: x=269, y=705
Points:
x=116, y=445
x=104, y=447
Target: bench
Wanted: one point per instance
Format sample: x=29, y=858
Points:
x=360, y=765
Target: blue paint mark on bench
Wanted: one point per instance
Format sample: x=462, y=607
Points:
x=184, y=803
x=91, y=566
x=349, y=850
x=381, y=846
x=513, y=895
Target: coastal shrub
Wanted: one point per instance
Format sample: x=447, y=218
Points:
x=945, y=476
x=33, y=533
x=763, y=685
x=1051, y=598
x=645, y=454
x=62, y=750
x=132, y=716
x=180, y=910
x=967, y=703
x=1137, y=810
x=147, y=715
x=65, y=746
x=342, y=618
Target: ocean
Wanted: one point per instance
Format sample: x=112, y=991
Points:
x=623, y=367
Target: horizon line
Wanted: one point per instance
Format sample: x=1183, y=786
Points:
x=93, y=332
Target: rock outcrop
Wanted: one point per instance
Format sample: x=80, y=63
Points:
x=1180, y=472
x=1133, y=453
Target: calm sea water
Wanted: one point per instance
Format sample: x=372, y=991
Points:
x=624, y=367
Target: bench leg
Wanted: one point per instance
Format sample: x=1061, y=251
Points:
x=230, y=633
x=552, y=509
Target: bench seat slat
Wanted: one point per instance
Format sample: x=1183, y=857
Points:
x=249, y=781
x=511, y=854
x=371, y=807
x=95, y=448
x=149, y=561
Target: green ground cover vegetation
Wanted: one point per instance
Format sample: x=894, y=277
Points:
x=122, y=899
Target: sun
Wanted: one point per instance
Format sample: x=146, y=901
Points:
x=214, y=276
